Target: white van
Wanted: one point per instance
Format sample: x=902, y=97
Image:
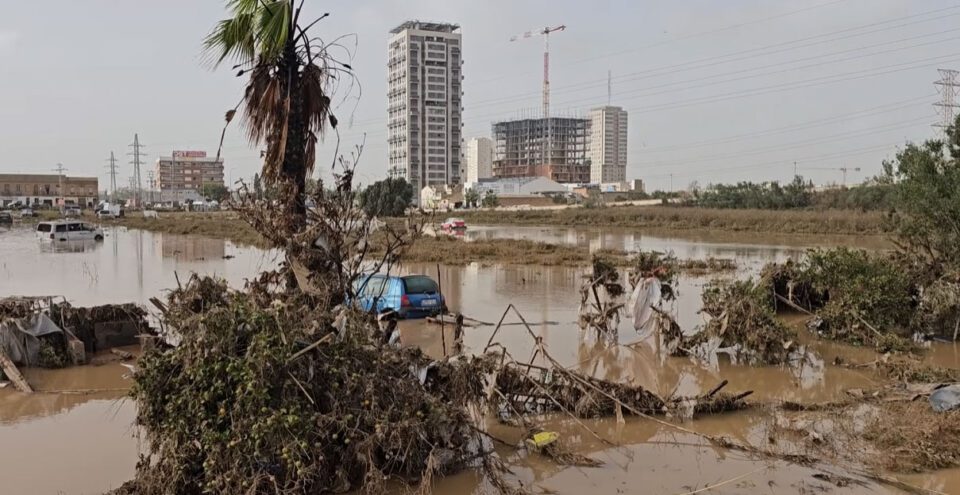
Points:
x=68, y=230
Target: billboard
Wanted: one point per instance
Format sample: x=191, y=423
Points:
x=189, y=154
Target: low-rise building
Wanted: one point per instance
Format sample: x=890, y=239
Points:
x=441, y=197
x=44, y=189
x=184, y=174
x=522, y=191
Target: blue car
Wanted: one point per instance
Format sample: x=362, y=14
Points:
x=413, y=296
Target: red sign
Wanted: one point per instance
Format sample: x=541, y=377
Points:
x=189, y=154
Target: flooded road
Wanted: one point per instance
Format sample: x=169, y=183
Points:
x=90, y=437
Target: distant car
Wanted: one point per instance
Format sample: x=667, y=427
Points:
x=412, y=296
x=71, y=211
x=5, y=217
x=27, y=212
x=68, y=230
x=105, y=214
x=452, y=224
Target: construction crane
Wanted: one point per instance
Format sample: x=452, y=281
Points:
x=841, y=169
x=545, y=32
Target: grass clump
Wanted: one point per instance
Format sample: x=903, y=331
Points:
x=911, y=437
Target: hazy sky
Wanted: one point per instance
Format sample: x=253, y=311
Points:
x=717, y=91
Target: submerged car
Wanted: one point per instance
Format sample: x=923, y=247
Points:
x=452, y=224
x=68, y=230
x=412, y=296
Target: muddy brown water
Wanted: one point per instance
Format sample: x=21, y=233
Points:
x=81, y=424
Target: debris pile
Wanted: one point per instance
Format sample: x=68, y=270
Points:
x=741, y=322
x=601, y=298
x=908, y=436
x=284, y=398
x=700, y=267
x=858, y=297
x=529, y=389
x=102, y=327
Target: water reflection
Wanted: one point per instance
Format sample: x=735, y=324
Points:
x=128, y=266
x=76, y=246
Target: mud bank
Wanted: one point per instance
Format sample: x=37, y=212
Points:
x=686, y=218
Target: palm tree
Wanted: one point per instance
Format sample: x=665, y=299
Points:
x=285, y=104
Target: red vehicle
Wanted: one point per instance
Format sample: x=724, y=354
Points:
x=453, y=224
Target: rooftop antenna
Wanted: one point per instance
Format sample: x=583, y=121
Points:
x=609, y=85
x=60, y=168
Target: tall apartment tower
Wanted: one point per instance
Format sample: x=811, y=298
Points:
x=608, y=145
x=479, y=159
x=424, y=103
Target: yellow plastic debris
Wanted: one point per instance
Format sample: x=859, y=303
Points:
x=542, y=439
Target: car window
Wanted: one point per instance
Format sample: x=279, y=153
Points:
x=73, y=227
x=419, y=284
x=61, y=228
x=375, y=287
x=43, y=227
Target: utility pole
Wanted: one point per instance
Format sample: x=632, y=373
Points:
x=137, y=154
x=671, y=182
x=948, y=86
x=794, y=169
x=113, y=177
x=545, y=32
x=60, y=168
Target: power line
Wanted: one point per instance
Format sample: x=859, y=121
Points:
x=881, y=109
x=687, y=36
x=814, y=158
x=796, y=144
x=719, y=60
x=759, y=90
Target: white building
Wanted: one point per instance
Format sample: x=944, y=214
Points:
x=424, y=90
x=479, y=159
x=519, y=186
x=608, y=145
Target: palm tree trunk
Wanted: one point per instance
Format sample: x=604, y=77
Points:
x=293, y=168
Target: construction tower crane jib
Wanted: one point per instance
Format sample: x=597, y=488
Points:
x=545, y=32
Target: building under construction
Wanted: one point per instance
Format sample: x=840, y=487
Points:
x=555, y=148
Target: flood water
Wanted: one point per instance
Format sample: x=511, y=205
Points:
x=81, y=424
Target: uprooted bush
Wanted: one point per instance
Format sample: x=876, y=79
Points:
x=859, y=297
x=279, y=398
x=740, y=317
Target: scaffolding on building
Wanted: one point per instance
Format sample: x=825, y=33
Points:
x=521, y=149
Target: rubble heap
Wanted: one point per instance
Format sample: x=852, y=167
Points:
x=284, y=398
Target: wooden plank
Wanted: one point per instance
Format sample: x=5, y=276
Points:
x=13, y=374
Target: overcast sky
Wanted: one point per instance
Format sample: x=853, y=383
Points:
x=718, y=91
